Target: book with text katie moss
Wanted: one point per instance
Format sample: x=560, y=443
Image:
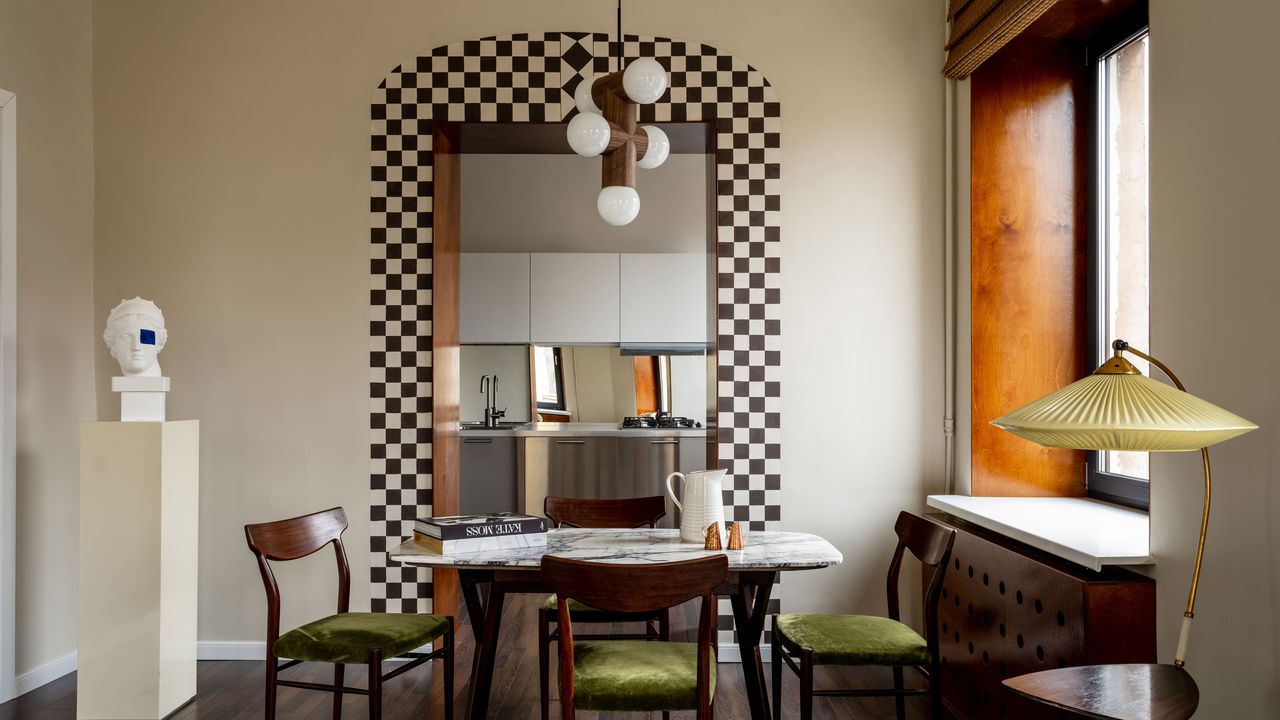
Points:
x=462, y=527
x=479, y=544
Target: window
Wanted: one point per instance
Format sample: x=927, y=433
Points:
x=548, y=378
x=1120, y=247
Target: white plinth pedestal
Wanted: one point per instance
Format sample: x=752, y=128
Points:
x=139, y=523
x=141, y=398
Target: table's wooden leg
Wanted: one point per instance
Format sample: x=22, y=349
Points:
x=750, y=604
x=488, y=611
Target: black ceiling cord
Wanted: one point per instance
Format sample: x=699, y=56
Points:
x=619, y=34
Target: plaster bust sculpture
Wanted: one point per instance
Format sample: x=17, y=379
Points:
x=135, y=335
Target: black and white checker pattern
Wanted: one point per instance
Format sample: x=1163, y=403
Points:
x=531, y=78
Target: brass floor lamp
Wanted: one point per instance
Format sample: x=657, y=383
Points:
x=1118, y=408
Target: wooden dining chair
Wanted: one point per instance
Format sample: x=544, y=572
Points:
x=636, y=675
x=345, y=638
x=803, y=641
x=584, y=513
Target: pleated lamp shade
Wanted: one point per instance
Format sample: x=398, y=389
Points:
x=1119, y=409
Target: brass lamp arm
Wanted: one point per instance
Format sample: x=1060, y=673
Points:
x=1121, y=346
x=1179, y=658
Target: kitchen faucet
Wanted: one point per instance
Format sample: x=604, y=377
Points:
x=491, y=412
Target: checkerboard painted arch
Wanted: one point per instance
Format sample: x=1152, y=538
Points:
x=531, y=78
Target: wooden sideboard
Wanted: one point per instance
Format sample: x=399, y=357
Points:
x=1008, y=609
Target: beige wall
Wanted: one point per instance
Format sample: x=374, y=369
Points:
x=45, y=54
x=233, y=188
x=1215, y=108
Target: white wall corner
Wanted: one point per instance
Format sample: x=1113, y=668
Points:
x=8, y=392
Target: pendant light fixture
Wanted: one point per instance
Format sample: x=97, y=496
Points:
x=606, y=126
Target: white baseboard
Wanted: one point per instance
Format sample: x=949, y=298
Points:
x=245, y=650
x=251, y=650
x=231, y=650
x=45, y=674
x=729, y=653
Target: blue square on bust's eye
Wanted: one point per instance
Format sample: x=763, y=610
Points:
x=147, y=337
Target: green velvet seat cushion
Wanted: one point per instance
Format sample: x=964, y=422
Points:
x=637, y=675
x=348, y=637
x=852, y=639
x=586, y=613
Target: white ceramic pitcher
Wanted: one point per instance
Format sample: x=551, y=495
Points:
x=703, y=503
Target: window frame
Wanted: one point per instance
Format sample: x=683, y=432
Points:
x=1099, y=484
x=560, y=404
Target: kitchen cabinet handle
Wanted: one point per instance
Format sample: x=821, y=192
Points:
x=478, y=440
x=664, y=442
x=571, y=442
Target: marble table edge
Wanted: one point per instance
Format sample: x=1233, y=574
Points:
x=774, y=550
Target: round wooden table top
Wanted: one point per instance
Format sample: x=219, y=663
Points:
x=1113, y=692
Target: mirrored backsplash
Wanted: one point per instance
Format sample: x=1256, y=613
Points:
x=596, y=384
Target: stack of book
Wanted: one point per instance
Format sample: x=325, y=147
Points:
x=452, y=534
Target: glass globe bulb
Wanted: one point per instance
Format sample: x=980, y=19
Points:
x=659, y=148
x=588, y=134
x=644, y=81
x=618, y=204
x=582, y=96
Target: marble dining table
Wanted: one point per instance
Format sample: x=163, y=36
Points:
x=752, y=574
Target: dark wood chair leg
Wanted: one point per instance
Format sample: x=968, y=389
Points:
x=899, y=701
x=544, y=663
x=448, y=671
x=806, y=685
x=775, y=663
x=375, y=684
x=271, y=688
x=337, y=695
x=664, y=635
x=935, y=690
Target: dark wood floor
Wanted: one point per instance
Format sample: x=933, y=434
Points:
x=233, y=689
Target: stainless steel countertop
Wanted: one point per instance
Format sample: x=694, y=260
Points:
x=551, y=429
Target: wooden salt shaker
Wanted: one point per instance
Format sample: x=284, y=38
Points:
x=713, y=537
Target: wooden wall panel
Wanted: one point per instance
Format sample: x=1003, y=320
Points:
x=446, y=367
x=1029, y=241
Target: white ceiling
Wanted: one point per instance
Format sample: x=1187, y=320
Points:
x=547, y=203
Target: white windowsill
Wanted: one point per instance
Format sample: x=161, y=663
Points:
x=1086, y=532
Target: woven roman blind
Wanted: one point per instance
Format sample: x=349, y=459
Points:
x=979, y=28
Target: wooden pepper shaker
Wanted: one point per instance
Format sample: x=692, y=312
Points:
x=713, y=537
x=735, y=536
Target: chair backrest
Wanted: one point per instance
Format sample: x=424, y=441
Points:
x=931, y=544
x=295, y=538
x=637, y=588
x=611, y=513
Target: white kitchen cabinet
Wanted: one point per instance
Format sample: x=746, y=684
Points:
x=494, y=298
x=664, y=298
x=575, y=298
